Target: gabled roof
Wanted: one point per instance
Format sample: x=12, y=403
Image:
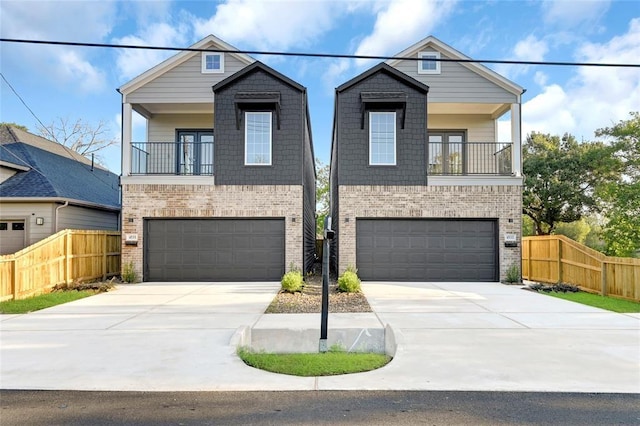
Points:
x=209, y=42
x=385, y=68
x=51, y=174
x=478, y=68
x=257, y=65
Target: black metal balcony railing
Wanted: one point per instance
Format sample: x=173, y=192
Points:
x=172, y=158
x=469, y=158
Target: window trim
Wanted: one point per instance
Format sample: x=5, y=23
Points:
x=429, y=53
x=246, y=121
x=205, y=70
x=395, y=138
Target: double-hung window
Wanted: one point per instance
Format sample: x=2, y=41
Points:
x=382, y=138
x=257, y=138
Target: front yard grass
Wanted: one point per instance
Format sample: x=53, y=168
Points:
x=598, y=301
x=314, y=364
x=42, y=301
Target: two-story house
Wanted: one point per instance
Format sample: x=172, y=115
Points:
x=421, y=189
x=223, y=186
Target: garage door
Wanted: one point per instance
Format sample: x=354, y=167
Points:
x=426, y=250
x=214, y=249
x=12, y=236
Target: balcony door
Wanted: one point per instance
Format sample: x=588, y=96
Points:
x=195, y=152
x=447, y=152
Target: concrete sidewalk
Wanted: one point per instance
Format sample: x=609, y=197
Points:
x=452, y=336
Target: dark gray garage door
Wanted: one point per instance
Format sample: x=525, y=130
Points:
x=426, y=250
x=214, y=249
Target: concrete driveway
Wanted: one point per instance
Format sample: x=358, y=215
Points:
x=452, y=336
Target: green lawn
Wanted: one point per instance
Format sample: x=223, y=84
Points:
x=603, y=302
x=314, y=364
x=43, y=301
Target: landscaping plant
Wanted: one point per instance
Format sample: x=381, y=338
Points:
x=349, y=282
x=292, y=281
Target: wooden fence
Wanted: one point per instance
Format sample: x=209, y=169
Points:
x=65, y=257
x=556, y=258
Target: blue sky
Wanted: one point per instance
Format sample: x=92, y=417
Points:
x=81, y=82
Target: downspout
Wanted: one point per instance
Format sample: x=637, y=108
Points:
x=66, y=204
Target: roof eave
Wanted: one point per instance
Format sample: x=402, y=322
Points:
x=71, y=201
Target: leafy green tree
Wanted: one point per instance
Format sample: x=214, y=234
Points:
x=322, y=194
x=19, y=126
x=561, y=176
x=621, y=232
x=577, y=230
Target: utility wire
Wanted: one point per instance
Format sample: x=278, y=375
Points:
x=25, y=104
x=316, y=55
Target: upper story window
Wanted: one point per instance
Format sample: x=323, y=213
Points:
x=428, y=63
x=212, y=62
x=257, y=138
x=382, y=138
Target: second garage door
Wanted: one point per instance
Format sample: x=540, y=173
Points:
x=426, y=250
x=214, y=249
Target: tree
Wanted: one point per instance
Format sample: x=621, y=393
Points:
x=19, y=126
x=561, y=177
x=621, y=231
x=322, y=194
x=80, y=136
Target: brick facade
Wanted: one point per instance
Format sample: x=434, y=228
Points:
x=140, y=201
x=492, y=202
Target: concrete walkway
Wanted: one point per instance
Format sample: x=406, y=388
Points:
x=452, y=336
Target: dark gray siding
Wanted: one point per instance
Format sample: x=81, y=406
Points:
x=287, y=149
x=333, y=209
x=309, y=201
x=353, y=146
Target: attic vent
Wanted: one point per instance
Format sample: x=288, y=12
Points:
x=257, y=101
x=383, y=101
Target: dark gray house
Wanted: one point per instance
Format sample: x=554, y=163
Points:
x=46, y=188
x=223, y=189
x=421, y=189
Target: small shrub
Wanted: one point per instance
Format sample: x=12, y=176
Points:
x=292, y=282
x=513, y=274
x=349, y=282
x=128, y=274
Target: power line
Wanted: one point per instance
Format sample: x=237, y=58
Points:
x=316, y=55
x=25, y=104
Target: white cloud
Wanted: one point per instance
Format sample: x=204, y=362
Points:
x=89, y=21
x=528, y=49
x=540, y=78
x=272, y=25
x=403, y=22
x=132, y=62
x=594, y=97
x=572, y=13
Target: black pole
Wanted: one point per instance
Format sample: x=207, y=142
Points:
x=324, y=313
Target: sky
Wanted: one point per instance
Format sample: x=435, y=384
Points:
x=80, y=83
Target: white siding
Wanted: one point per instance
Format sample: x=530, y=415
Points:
x=162, y=127
x=480, y=128
x=76, y=217
x=456, y=83
x=6, y=173
x=185, y=83
x=29, y=212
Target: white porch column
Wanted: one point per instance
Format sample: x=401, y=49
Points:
x=126, y=138
x=516, y=139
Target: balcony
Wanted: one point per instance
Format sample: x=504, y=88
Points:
x=470, y=158
x=172, y=158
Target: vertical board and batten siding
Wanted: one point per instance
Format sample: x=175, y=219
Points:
x=162, y=127
x=29, y=212
x=309, y=201
x=457, y=83
x=76, y=217
x=479, y=128
x=185, y=83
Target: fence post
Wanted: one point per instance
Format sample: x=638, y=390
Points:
x=67, y=253
x=559, y=260
x=104, y=256
x=13, y=279
x=530, y=273
x=603, y=275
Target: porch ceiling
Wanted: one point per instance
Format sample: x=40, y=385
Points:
x=494, y=110
x=173, y=108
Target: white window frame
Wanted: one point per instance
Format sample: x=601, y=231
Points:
x=427, y=55
x=395, y=133
x=246, y=122
x=205, y=70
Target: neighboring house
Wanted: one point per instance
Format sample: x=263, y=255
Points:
x=421, y=190
x=45, y=188
x=223, y=186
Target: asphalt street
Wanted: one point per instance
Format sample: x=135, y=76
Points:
x=316, y=407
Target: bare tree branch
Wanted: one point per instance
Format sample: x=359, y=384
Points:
x=80, y=136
